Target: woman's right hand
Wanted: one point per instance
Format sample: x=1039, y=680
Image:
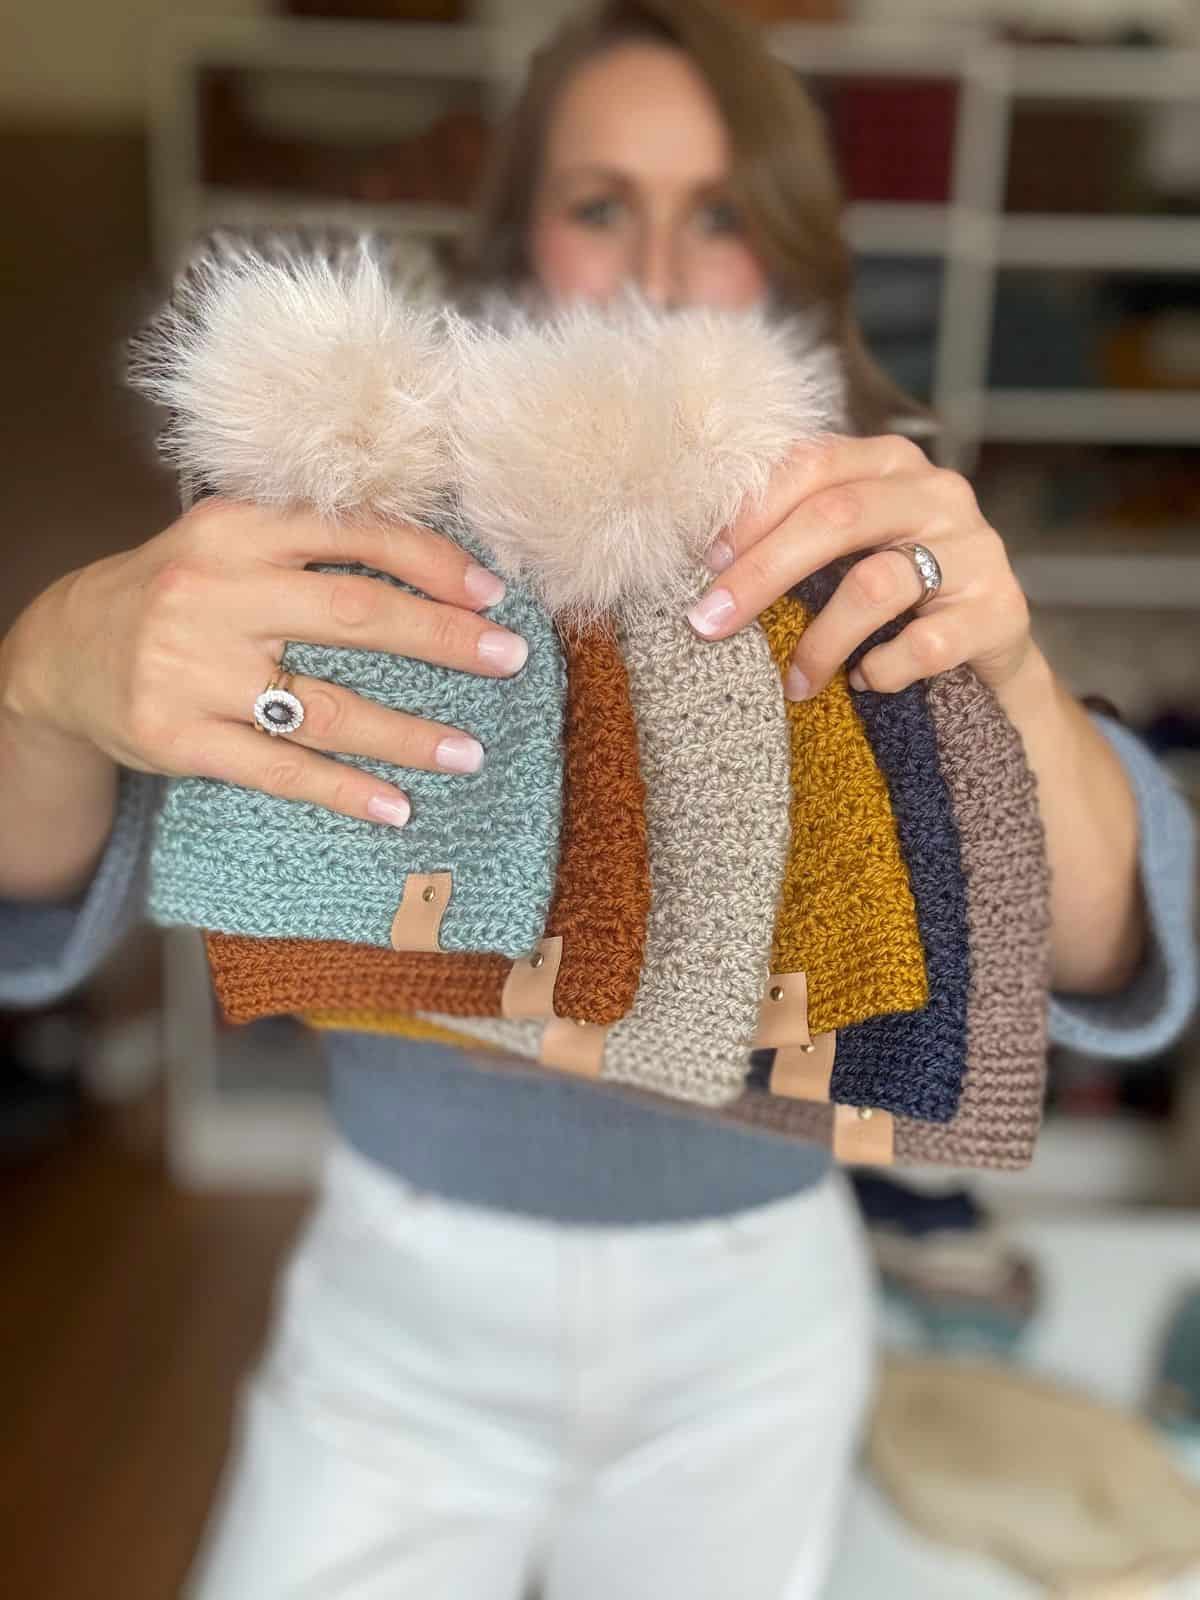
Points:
x=156, y=655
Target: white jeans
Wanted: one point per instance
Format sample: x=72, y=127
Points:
x=458, y=1404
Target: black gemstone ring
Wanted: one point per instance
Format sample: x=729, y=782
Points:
x=277, y=710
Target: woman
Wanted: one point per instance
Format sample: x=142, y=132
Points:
x=535, y=1334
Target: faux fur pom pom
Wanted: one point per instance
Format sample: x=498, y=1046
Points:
x=599, y=451
x=298, y=379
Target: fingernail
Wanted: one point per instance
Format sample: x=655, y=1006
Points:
x=388, y=809
x=508, y=651
x=795, y=685
x=720, y=556
x=458, y=752
x=482, y=586
x=855, y=679
x=707, y=615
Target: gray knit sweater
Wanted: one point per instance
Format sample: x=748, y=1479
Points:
x=564, y=1149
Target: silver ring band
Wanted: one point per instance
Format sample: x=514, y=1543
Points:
x=925, y=563
x=277, y=710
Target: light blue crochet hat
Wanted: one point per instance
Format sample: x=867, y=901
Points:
x=308, y=380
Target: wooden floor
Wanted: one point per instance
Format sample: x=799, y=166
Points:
x=130, y=1312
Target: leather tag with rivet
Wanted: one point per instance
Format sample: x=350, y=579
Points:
x=418, y=921
x=783, y=1017
x=573, y=1046
x=863, y=1136
x=804, y=1071
x=529, y=988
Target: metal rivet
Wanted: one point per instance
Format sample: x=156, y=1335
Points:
x=777, y=991
x=580, y=1023
x=537, y=960
x=865, y=1113
x=429, y=893
x=807, y=1049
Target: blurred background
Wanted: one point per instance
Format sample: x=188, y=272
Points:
x=1023, y=179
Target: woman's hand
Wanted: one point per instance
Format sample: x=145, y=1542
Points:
x=156, y=655
x=843, y=495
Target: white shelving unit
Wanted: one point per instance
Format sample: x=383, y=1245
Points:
x=971, y=235
x=271, y=1130
x=276, y=1137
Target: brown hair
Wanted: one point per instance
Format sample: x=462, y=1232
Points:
x=783, y=176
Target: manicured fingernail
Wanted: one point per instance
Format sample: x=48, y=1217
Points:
x=855, y=679
x=720, y=556
x=384, y=808
x=482, y=586
x=707, y=615
x=507, y=651
x=795, y=685
x=458, y=752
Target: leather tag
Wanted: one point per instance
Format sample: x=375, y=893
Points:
x=783, y=1018
x=573, y=1046
x=863, y=1136
x=418, y=920
x=804, y=1073
x=529, y=988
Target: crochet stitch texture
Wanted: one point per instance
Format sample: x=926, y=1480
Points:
x=600, y=903
x=713, y=735
x=994, y=794
x=602, y=900
x=714, y=747
x=238, y=860
x=255, y=978
x=911, y=1064
x=846, y=915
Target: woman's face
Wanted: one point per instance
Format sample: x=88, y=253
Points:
x=634, y=188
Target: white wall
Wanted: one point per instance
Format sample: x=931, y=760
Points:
x=84, y=60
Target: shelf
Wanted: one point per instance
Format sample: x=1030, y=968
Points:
x=898, y=229
x=1079, y=1163
x=264, y=1142
x=1099, y=416
x=309, y=44
x=1069, y=72
x=1101, y=244
x=835, y=50
x=215, y=206
x=1047, y=240
x=1126, y=582
x=1134, y=244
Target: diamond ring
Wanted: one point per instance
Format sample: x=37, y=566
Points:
x=927, y=568
x=277, y=710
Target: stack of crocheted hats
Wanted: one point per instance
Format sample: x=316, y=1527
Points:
x=828, y=919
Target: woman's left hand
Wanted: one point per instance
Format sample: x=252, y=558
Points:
x=840, y=495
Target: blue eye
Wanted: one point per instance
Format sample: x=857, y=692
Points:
x=721, y=217
x=595, y=213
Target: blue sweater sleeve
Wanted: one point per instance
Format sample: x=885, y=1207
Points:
x=48, y=948
x=1153, y=1010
